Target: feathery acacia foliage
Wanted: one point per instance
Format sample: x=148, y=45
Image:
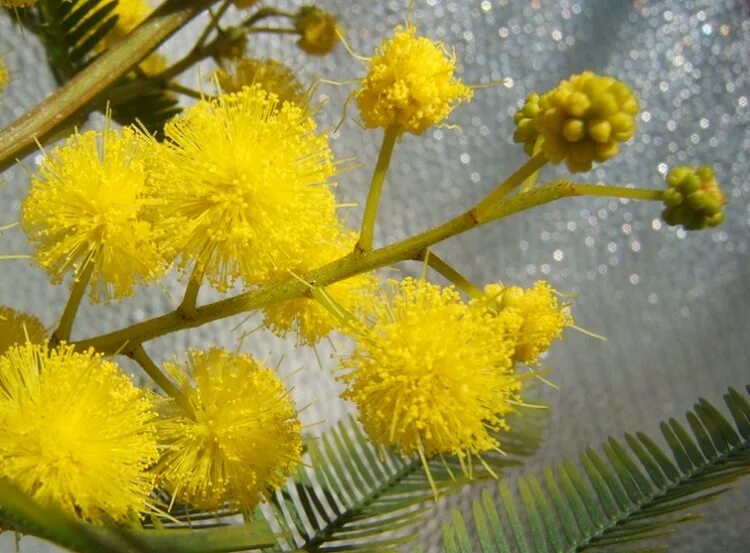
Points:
x=614, y=502
x=74, y=32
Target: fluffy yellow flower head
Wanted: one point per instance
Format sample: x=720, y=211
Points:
x=534, y=317
x=18, y=328
x=85, y=203
x=245, y=438
x=130, y=13
x=318, y=30
x=431, y=374
x=306, y=316
x=241, y=187
x=410, y=84
x=585, y=118
x=271, y=75
x=75, y=433
x=693, y=198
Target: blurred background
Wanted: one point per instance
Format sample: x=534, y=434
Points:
x=673, y=305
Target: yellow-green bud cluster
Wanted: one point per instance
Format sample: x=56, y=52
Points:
x=584, y=119
x=693, y=198
x=318, y=30
x=526, y=132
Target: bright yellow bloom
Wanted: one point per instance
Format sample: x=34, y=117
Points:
x=431, y=374
x=241, y=187
x=86, y=203
x=75, y=433
x=306, y=316
x=534, y=317
x=244, y=441
x=585, y=118
x=410, y=84
x=271, y=75
x=17, y=327
x=693, y=198
x=130, y=13
x=318, y=30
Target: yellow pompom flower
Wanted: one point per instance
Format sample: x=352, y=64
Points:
x=85, y=205
x=18, y=328
x=534, y=317
x=410, y=84
x=693, y=198
x=430, y=374
x=244, y=439
x=241, y=187
x=306, y=316
x=318, y=30
x=584, y=119
x=272, y=75
x=75, y=433
x=130, y=13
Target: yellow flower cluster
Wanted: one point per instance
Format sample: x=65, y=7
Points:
x=18, y=328
x=693, y=198
x=410, y=84
x=535, y=317
x=86, y=205
x=271, y=75
x=244, y=437
x=431, y=373
x=241, y=187
x=306, y=316
x=75, y=433
x=582, y=120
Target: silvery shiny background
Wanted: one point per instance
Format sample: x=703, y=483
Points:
x=673, y=305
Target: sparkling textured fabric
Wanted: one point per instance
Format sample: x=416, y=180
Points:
x=673, y=305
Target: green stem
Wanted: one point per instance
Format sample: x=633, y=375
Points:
x=531, y=166
x=335, y=271
x=564, y=189
x=343, y=268
x=619, y=192
x=139, y=355
x=364, y=244
x=81, y=282
x=189, y=302
x=439, y=265
x=77, y=97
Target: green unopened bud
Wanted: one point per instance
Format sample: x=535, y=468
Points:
x=318, y=30
x=693, y=198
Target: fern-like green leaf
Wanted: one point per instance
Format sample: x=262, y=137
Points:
x=72, y=32
x=354, y=497
x=633, y=493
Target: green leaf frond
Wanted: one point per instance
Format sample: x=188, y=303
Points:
x=355, y=497
x=72, y=32
x=627, y=494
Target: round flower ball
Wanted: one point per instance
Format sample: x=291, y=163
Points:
x=242, y=438
x=75, y=433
